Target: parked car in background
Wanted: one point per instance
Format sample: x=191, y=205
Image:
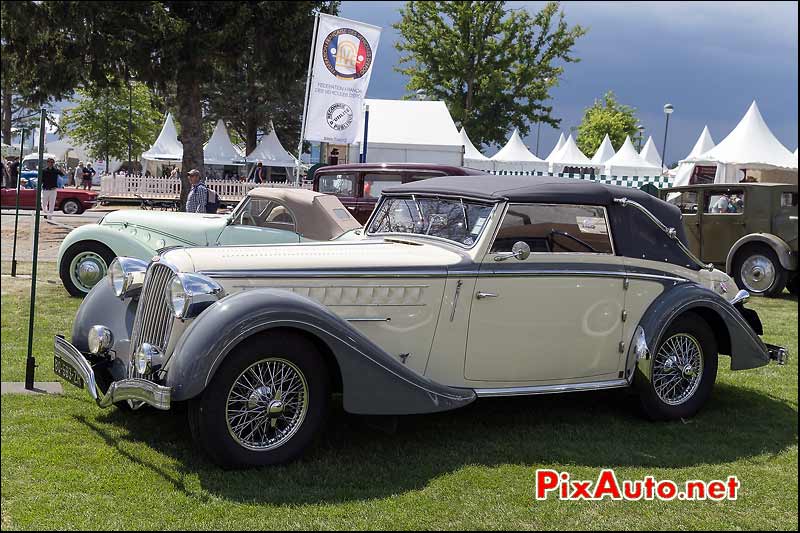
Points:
x=265, y=216
x=749, y=229
x=69, y=201
x=358, y=186
x=464, y=287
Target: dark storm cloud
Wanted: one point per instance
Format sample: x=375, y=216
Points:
x=709, y=59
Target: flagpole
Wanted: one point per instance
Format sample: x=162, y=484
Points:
x=305, y=100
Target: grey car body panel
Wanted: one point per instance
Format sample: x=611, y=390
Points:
x=373, y=381
x=101, y=306
x=748, y=351
x=784, y=252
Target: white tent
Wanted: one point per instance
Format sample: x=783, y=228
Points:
x=516, y=157
x=409, y=131
x=556, y=148
x=650, y=153
x=604, y=152
x=683, y=172
x=626, y=162
x=568, y=156
x=750, y=146
x=270, y=153
x=166, y=149
x=219, y=150
x=473, y=158
x=470, y=152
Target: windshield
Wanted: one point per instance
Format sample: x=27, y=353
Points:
x=30, y=164
x=456, y=220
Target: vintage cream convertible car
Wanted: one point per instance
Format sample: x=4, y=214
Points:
x=464, y=287
x=265, y=216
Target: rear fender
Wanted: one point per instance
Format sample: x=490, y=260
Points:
x=737, y=336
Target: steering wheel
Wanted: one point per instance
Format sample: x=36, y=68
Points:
x=552, y=241
x=252, y=220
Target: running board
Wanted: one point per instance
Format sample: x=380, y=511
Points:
x=552, y=389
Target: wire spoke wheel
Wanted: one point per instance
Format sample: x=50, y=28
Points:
x=678, y=369
x=267, y=404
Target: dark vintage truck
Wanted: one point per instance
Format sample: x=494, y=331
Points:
x=358, y=186
x=750, y=228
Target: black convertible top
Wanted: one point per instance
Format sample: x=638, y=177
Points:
x=634, y=234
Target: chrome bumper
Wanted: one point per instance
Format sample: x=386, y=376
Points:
x=124, y=389
x=778, y=354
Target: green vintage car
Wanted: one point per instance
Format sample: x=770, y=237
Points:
x=750, y=228
x=265, y=216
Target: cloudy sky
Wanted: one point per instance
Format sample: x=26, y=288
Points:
x=708, y=59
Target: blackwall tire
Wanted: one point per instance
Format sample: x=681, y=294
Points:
x=245, y=418
x=683, y=370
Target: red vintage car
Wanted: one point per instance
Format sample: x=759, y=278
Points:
x=358, y=186
x=70, y=201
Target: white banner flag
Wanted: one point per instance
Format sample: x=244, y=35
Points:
x=344, y=52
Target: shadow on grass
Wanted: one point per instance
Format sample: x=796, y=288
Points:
x=353, y=461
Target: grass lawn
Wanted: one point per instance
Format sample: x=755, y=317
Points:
x=68, y=465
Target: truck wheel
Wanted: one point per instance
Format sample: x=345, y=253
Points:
x=83, y=265
x=758, y=270
x=70, y=206
x=265, y=404
x=683, y=370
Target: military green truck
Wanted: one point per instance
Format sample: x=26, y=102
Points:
x=750, y=228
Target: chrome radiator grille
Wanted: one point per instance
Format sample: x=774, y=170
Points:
x=154, y=317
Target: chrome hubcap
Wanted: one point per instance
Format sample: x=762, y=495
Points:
x=87, y=269
x=267, y=404
x=758, y=273
x=70, y=208
x=678, y=369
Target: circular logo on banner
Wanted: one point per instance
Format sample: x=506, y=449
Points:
x=347, y=54
x=339, y=116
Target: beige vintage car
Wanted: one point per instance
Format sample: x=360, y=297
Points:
x=464, y=287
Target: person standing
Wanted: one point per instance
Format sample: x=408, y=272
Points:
x=13, y=170
x=259, y=176
x=198, y=196
x=77, y=177
x=50, y=187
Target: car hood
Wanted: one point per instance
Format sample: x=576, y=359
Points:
x=369, y=256
x=190, y=228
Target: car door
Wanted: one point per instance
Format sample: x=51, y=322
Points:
x=723, y=222
x=689, y=204
x=343, y=185
x=555, y=315
x=260, y=221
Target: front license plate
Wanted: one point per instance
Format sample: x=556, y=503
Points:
x=63, y=370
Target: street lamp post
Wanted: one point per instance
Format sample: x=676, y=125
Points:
x=641, y=135
x=668, y=109
x=538, y=130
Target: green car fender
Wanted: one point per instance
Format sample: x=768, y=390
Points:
x=120, y=242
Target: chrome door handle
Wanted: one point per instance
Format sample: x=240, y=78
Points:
x=482, y=295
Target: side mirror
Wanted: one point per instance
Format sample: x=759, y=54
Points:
x=520, y=250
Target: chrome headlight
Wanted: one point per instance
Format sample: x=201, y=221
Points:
x=188, y=294
x=127, y=276
x=100, y=339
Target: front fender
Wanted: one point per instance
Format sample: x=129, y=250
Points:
x=122, y=244
x=784, y=252
x=747, y=349
x=373, y=382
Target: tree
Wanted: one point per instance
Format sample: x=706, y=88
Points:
x=100, y=121
x=606, y=117
x=263, y=92
x=493, y=67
